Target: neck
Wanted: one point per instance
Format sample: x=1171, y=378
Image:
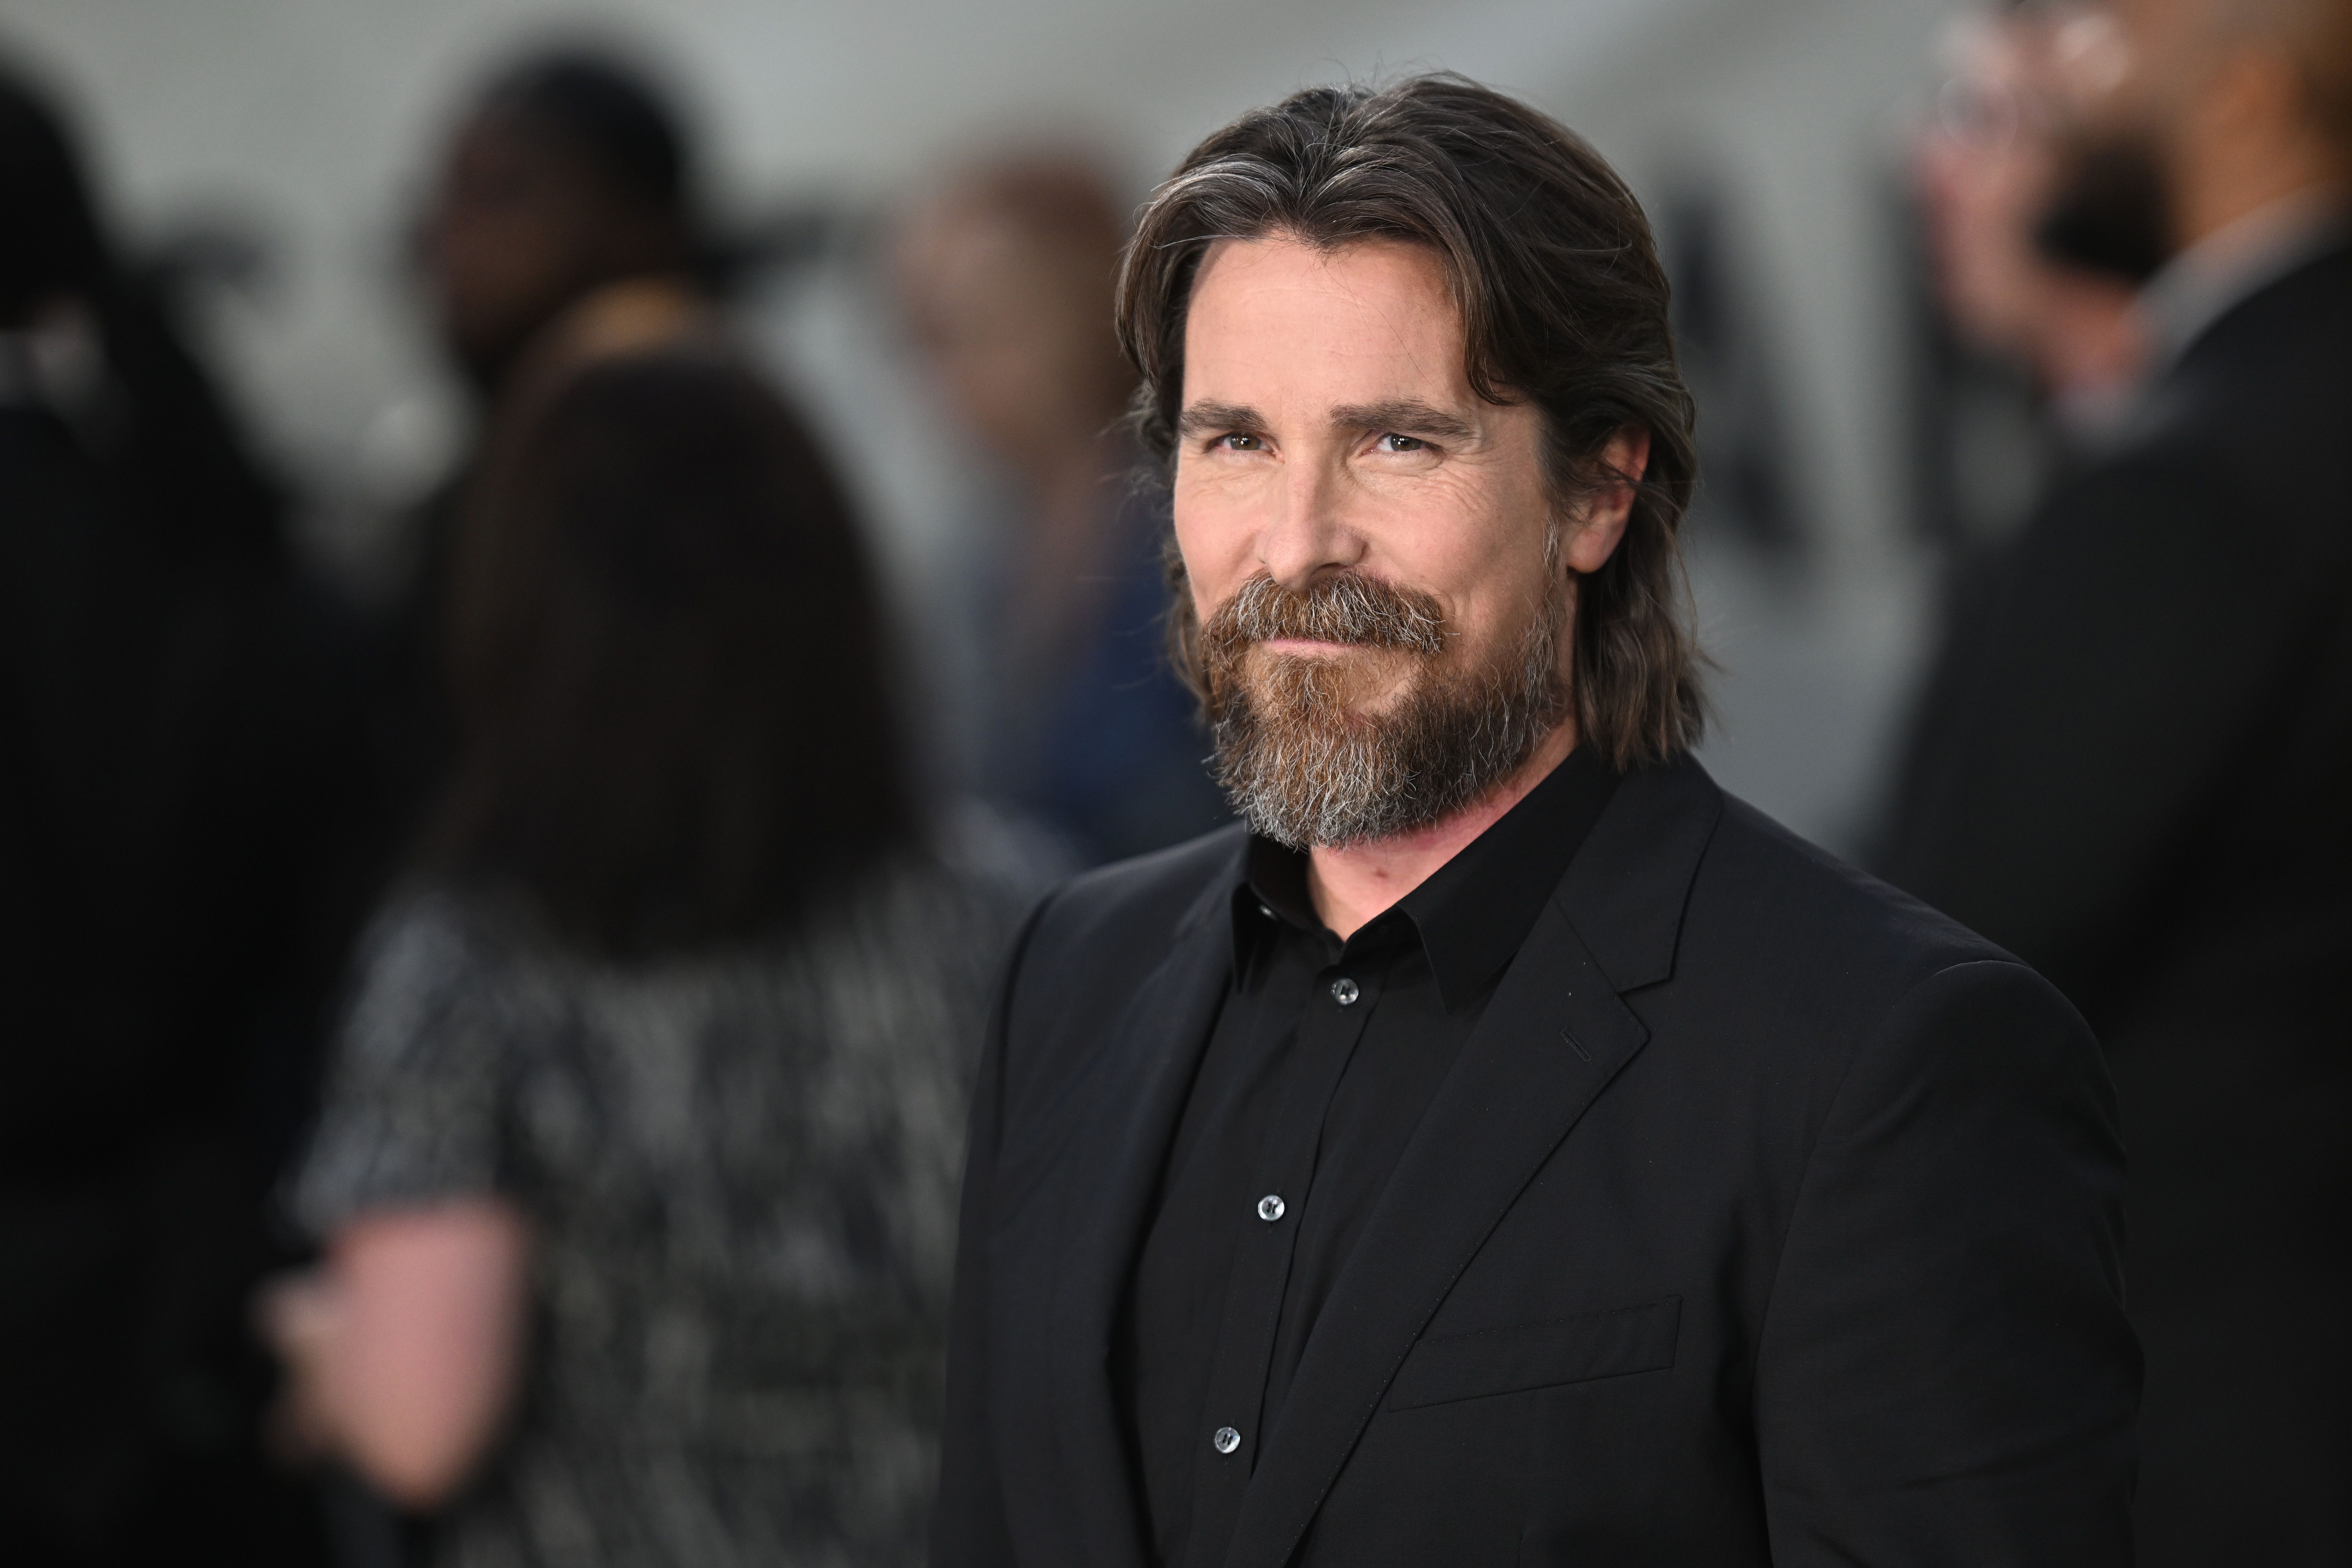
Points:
x=1355, y=883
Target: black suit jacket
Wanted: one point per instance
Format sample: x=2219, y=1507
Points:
x=2133, y=769
x=1767, y=1216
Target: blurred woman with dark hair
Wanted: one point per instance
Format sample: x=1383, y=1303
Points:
x=638, y=1168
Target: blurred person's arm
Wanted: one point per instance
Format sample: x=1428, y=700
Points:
x=403, y=1351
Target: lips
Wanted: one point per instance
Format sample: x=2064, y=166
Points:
x=1312, y=647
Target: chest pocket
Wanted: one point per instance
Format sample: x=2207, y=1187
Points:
x=1579, y=1349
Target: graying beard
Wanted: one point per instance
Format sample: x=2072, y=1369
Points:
x=1318, y=775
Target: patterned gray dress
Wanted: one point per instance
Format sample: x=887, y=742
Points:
x=740, y=1175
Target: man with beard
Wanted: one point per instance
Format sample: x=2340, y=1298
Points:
x=1501, y=1146
x=2132, y=765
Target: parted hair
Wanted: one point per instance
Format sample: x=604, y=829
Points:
x=1563, y=303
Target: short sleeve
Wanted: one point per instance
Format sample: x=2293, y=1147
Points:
x=415, y=1109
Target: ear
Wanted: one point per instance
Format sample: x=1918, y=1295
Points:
x=1600, y=522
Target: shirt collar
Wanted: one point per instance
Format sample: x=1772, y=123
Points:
x=1472, y=914
x=2205, y=282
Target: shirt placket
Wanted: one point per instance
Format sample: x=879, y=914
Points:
x=1338, y=1009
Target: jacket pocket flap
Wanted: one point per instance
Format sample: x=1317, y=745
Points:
x=1539, y=1355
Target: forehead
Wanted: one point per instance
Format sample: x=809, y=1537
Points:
x=1278, y=312
x=952, y=253
x=501, y=142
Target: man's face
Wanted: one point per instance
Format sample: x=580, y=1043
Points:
x=1370, y=545
x=1982, y=170
x=1017, y=328
x=1330, y=428
x=515, y=233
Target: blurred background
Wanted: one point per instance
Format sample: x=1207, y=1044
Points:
x=275, y=151
x=471, y=1084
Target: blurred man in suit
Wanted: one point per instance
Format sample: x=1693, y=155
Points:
x=2134, y=764
x=1501, y=1147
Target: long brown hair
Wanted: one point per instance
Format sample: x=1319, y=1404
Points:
x=668, y=662
x=1563, y=304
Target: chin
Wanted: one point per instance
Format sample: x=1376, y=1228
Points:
x=1349, y=687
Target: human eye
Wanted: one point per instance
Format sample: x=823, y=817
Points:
x=1392, y=442
x=1239, y=441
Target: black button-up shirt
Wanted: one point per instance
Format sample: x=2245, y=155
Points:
x=1322, y=1058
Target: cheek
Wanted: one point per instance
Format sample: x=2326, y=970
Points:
x=513, y=259
x=998, y=390
x=1482, y=553
x=1213, y=531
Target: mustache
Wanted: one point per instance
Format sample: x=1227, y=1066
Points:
x=1344, y=608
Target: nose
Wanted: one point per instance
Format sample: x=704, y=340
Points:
x=1307, y=535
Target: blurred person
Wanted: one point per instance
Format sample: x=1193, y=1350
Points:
x=570, y=172
x=1006, y=275
x=2032, y=343
x=169, y=745
x=568, y=178
x=1984, y=174
x=637, y=1168
x=2133, y=764
x=1502, y=1146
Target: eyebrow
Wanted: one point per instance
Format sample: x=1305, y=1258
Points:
x=1201, y=418
x=1403, y=415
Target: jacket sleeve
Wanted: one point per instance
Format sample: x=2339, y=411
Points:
x=968, y=1520
x=1946, y=1375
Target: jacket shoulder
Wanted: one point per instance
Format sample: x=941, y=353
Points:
x=1804, y=913
x=1796, y=974
x=1687, y=889
x=1133, y=907
x=2287, y=345
x=2247, y=423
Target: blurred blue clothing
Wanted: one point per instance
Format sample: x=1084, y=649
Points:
x=1107, y=748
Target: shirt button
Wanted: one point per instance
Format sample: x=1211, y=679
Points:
x=1344, y=991
x=1226, y=1440
x=1269, y=1207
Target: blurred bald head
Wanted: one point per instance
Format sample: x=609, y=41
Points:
x=2233, y=105
x=2309, y=42
x=2315, y=39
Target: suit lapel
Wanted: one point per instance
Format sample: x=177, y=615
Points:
x=1552, y=1039
x=1140, y=1080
